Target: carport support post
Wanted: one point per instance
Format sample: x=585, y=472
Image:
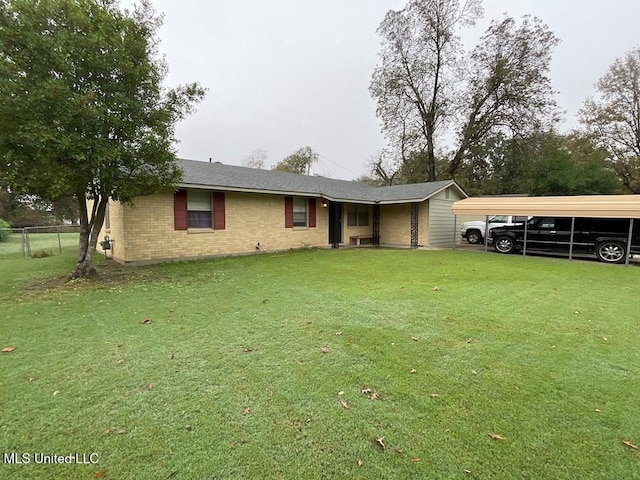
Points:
x=524, y=246
x=573, y=227
x=629, y=239
x=455, y=230
x=486, y=234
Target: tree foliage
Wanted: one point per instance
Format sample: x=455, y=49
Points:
x=613, y=117
x=428, y=90
x=542, y=163
x=255, y=159
x=299, y=162
x=82, y=110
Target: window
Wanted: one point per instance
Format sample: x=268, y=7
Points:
x=358, y=215
x=299, y=212
x=199, y=209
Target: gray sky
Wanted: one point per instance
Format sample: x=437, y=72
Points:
x=283, y=74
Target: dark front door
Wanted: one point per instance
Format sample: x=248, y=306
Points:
x=335, y=224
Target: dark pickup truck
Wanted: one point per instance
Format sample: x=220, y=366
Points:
x=606, y=238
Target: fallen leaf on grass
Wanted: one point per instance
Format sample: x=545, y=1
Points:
x=246, y=411
x=146, y=321
x=360, y=462
x=32, y=379
x=270, y=394
x=436, y=289
x=149, y=386
x=473, y=372
x=469, y=340
x=173, y=355
x=467, y=471
x=434, y=395
x=325, y=350
x=415, y=339
x=109, y=430
x=629, y=444
x=495, y=436
x=247, y=350
x=122, y=431
x=380, y=442
x=413, y=370
x=374, y=396
x=56, y=392
x=8, y=349
x=338, y=334
x=366, y=390
x=100, y=473
x=121, y=361
x=415, y=459
x=598, y=410
x=344, y=404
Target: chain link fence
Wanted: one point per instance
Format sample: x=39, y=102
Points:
x=38, y=241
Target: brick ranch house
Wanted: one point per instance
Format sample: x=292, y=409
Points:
x=227, y=210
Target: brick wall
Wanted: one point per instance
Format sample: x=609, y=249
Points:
x=395, y=225
x=250, y=218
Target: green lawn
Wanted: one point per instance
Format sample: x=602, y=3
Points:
x=229, y=380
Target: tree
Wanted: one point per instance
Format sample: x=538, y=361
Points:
x=82, y=110
x=614, y=118
x=414, y=84
x=255, y=159
x=508, y=91
x=428, y=91
x=542, y=163
x=299, y=162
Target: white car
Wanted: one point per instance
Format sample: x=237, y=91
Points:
x=474, y=231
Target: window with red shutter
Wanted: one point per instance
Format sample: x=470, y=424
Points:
x=180, y=213
x=218, y=211
x=288, y=212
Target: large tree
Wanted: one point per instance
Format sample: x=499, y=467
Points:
x=415, y=81
x=83, y=113
x=430, y=93
x=508, y=90
x=613, y=117
x=299, y=162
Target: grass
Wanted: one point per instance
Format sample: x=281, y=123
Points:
x=229, y=379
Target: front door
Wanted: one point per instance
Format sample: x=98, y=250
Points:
x=335, y=224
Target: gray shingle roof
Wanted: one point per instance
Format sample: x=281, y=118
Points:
x=230, y=177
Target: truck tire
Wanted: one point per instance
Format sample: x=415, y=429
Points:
x=611, y=251
x=504, y=245
x=474, y=236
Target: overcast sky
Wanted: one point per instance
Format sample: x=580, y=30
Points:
x=283, y=74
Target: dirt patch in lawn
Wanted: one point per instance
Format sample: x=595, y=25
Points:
x=108, y=274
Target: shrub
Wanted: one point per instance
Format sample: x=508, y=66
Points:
x=4, y=230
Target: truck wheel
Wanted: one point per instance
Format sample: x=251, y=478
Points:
x=473, y=236
x=611, y=251
x=504, y=245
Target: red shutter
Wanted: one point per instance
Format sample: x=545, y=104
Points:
x=218, y=211
x=180, y=214
x=288, y=212
x=312, y=212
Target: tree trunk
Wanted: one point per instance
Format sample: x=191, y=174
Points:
x=89, y=231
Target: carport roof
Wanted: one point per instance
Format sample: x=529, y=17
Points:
x=592, y=206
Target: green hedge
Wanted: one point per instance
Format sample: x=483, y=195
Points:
x=4, y=230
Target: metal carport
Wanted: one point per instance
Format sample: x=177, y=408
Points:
x=586, y=206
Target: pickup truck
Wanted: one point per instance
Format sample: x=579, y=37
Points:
x=606, y=238
x=473, y=231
